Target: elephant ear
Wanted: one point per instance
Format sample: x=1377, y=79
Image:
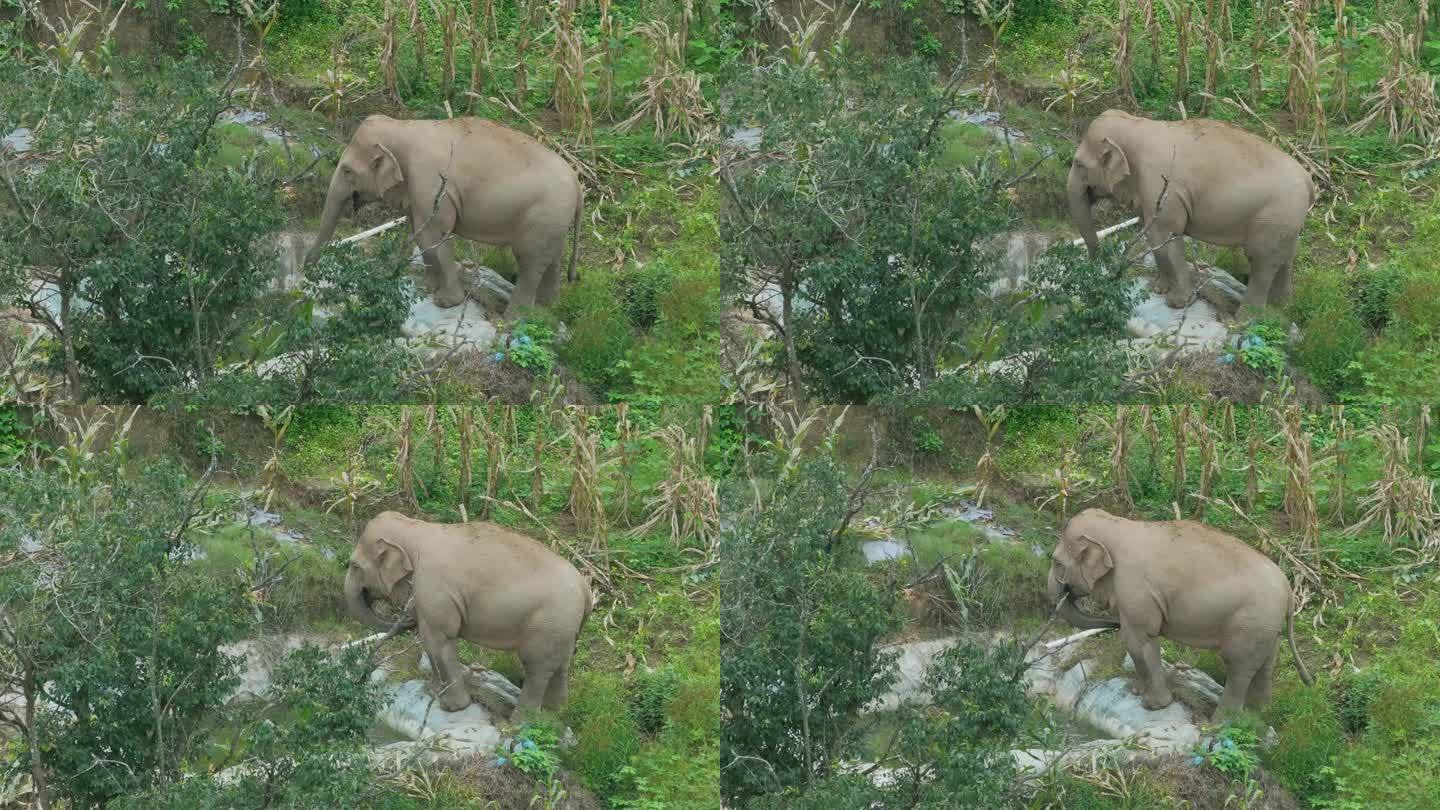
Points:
x=1114, y=166
x=393, y=563
x=386, y=169
x=1094, y=562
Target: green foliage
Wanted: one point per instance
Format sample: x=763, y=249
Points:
x=157, y=294
x=791, y=597
x=894, y=299
x=533, y=752
x=1232, y=751
x=532, y=346
x=113, y=603
x=925, y=437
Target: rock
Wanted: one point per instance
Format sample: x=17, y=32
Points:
x=487, y=285
x=1019, y=250
x=1110, y=706
x=434, y=329
x=1221, y=289
x=877, y=551
x=913, y=665
x=262, y=655
x=19, y=140
x=413, y=713
x=1156, y=327
x=747, y=138
x=290, y=248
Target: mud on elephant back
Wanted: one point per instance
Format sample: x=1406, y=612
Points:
x=1209, y=180
x=464, y=177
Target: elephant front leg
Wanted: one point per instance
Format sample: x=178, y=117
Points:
x=1144, y=650
x=1176, y=280
x=444, y=657
x=443, y=272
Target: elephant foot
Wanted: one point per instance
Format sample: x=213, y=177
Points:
x=1160, y=286
x=1178, y=297
x=1157, y=699
x=453, y=700
x=446, y=297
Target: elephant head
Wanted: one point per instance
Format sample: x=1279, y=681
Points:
x=381, y=565
x=1078, y=564
x=368, y=170
x=1099, y=168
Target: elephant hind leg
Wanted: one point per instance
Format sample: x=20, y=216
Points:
x=558, y=690
x=549, y=285
x=542, y=661
x=1270, y=267
x=1259, y=693
x=534, y=257
x=1244, y=660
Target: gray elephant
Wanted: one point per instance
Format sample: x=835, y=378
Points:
x=1184, y=581
x=1221, y=184
x=476, y=581
x=464, y=177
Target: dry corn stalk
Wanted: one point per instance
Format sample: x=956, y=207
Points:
x=478, y=20
x=1421, y=429
x=354, y=484
x=1300, y=509
x=1302, y=94
x=1179, y=426
x=465, y=422
x=610, y=36
x=570, y=60
x=404, y=459
x=1257, y=46
x=687, y=498
x=1252, y=465
x=586, y=503
x=1152, y=27
x=1124, y=53
x=625, y=438
x=448, y=14
x=670, y=96
x=1181, y=12
x=987, y=468
x=1214, y=55
x=1402, y=501
x=522, y=44
x=1340, y=455
x=1344, y=31
x=492, y=430
x=278, y=425
x=435, y=426
x=1119, y=430
x=1207, y=443
x=417, y=27
x=1152, y=435
x=389, y=54
x=1404, y=97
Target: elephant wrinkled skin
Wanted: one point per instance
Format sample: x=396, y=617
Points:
x=1184, y=581
x=1220, y=184
x=476, y=581
x=464, y=177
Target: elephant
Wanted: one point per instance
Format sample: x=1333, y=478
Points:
x=464, y=177
x=1187, y=582
x=1221, y=185
x=480, y=582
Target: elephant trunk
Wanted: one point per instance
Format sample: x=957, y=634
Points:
x=335, y=199
x=358, y=600
x=1080, y=199
x=1082, y=620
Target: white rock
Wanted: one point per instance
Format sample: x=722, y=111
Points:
x=262, y=655
x=914, y=664
x=414, y=713
x=466, y=325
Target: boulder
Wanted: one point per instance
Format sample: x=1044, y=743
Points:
x=261, y=656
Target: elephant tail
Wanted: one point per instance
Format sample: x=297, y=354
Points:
x=1290, y=631
x=575, y=237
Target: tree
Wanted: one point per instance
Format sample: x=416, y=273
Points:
x=132, y=243
x=111, y=639
x=879, y=256
x=803, y=621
